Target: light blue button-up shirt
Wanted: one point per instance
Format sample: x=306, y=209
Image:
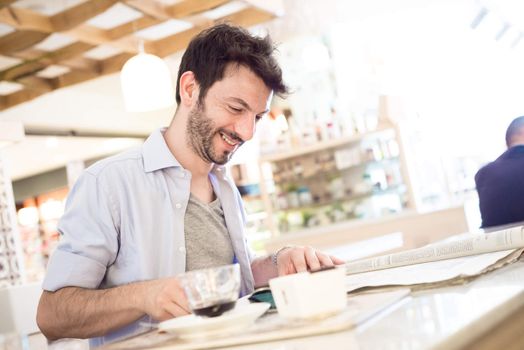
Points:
x=124, y=222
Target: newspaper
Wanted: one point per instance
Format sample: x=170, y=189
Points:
x=503, y=240
x=432, y=274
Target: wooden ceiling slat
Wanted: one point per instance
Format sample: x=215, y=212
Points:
x=4, y=3
x=189, y=7
x=36, y=83
x=172, y=43
x=90, y=34
x=20, y=70
x=151, y=8
x=20, y=40
x=131, y=44
x=81, y=63
x=248, y=17
x=80, y=13
x=99, y=36
x=22, y=18
x=36, y=60
x=73, y=77
x=21, y=96
x=114, y=64
x=28, y=54
x=51, y=57
x=179, y=10
x=131, y=27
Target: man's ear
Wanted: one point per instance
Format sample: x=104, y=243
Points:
x=189, y=90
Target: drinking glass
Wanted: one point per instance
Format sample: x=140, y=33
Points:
x=212, y=291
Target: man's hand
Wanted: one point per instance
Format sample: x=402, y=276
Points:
x=290, y=260
x=74, y=312
x=165, y=299
x=299, y=259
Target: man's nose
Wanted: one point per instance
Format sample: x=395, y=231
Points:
x=245, y=127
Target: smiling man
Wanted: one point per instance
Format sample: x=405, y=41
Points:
x=136, y=220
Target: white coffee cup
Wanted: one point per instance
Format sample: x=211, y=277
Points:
x=310, y=295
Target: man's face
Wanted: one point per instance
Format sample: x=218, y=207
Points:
x=227, y=117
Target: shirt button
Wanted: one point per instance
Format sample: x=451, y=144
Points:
x=182, y=249
x=178, y=205
x=182, y=174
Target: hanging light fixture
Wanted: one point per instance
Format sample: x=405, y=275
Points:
x=146, y=83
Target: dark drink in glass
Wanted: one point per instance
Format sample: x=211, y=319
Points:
x=215, y=310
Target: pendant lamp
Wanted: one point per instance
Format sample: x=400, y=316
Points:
x=146, y=83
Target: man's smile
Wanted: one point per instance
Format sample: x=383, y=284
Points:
x=230, y=139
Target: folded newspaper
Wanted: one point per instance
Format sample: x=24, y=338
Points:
x=442, y=263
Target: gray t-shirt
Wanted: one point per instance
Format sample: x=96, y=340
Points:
x=207, y=239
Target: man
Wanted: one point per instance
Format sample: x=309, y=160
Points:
x=500, y=184
x=136, y=220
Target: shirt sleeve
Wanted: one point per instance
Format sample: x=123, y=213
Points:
x=89, y=237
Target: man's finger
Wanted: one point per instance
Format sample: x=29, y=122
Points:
x=175, y=310
x=312, y=258
x=182, y=302
x=336, y=260
x=179, y=296
x=325, y=260
x=298, y=260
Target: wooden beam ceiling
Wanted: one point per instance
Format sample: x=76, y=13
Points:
x=32, y=28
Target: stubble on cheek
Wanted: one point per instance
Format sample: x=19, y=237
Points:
x=201, y=132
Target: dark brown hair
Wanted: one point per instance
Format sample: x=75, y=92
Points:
x=209, y=53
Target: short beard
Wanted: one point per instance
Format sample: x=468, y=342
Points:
x=200, y=131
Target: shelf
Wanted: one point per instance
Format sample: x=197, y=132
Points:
x=326, y=173
x=314, y=167
x=274, y=157
x=351, y=198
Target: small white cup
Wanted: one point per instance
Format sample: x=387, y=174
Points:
x=310, y=295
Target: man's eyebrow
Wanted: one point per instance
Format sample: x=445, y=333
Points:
x=245, y=104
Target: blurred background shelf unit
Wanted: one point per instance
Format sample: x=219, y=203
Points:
x=246, y=178
x=361, y=176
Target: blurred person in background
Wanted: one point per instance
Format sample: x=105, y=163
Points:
x=500, y=184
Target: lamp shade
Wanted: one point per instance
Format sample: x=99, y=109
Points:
x=146, y=83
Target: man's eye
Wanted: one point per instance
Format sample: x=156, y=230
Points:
x=236, y=110
x=258, y=117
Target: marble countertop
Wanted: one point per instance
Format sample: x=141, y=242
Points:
x=442, y=318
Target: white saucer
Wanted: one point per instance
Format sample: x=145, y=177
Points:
x=191, y=326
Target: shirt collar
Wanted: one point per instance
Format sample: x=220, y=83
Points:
x=218, y=169
x=156, y=154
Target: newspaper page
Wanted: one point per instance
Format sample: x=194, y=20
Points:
x=425, y=275
x=507, y=239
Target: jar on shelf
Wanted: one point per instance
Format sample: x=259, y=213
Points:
x=282, y=202
x=336, y=188
x=304, y=195
x=292, y=196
